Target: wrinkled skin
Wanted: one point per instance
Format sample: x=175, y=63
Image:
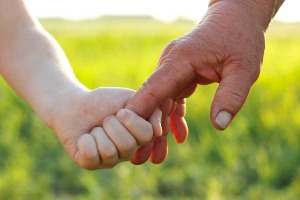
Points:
x=226, y=47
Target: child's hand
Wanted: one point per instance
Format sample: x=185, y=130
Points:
x=85, y=124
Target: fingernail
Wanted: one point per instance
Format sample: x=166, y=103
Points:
x=159, y=115
x=122, y=113
x=223, y=119
x=108, y=118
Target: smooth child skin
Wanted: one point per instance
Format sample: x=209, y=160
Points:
x=97, y=132
x=93, y=126
x=226, y=47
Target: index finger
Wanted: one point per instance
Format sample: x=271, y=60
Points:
x=164, y=83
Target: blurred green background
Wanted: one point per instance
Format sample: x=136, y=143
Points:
x=257, y=157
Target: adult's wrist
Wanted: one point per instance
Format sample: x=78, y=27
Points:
x=260, y=12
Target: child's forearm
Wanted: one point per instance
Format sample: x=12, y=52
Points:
x=33, y=63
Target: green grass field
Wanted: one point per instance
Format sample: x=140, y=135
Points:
x=258, y=157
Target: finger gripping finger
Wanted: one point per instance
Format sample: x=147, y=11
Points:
x=87, y=155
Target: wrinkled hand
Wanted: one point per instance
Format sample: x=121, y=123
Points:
x=227, y=47
x=96, y=131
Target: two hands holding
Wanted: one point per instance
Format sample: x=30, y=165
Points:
x=212, y=52
x=105, y=126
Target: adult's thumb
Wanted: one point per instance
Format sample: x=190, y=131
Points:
x=230, y=97
x=164, y=83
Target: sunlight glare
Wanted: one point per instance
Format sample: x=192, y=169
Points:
x=166, y=10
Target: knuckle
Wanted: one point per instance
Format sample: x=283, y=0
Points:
x=109, y=153
x=172, y=51
x=88, y=156
x=127, y=118
x=255, y=73
x=147, y=136
x=237, y=100
x=127, y=149
x=252, y=72
x=150, y=94
x=128, y=145
x=171, y=45
x=232, y=95
x=237, y=97
x=249, y=68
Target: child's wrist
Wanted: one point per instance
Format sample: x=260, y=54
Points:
x=52, y=105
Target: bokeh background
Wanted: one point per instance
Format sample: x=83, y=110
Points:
x=257, y=157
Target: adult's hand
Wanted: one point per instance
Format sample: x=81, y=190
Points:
x=226, y=47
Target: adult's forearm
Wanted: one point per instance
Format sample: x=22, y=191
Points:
x=277, y=6
x=261, y=10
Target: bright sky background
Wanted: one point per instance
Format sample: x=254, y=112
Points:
x=166, y=10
